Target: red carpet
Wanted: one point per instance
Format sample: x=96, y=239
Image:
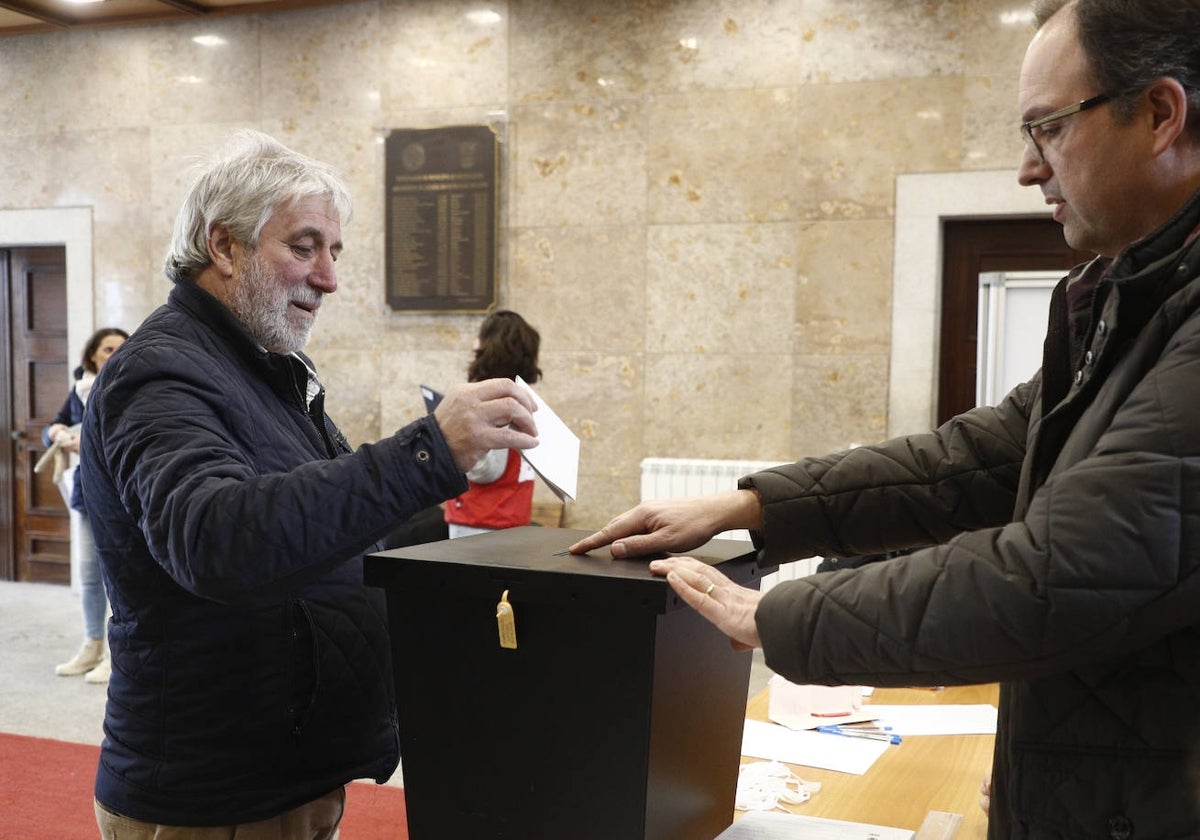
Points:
x=46, y=794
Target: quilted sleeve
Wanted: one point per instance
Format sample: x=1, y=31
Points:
x=229, y=504
x=907, y=492
x=1104, y=562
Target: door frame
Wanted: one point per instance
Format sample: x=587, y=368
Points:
x=71, y=228
x=923, y=202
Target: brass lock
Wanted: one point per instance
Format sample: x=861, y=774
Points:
x=506, y=622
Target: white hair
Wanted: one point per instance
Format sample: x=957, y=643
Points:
x=241, y=189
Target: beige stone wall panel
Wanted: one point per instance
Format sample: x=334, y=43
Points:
x=697, y=197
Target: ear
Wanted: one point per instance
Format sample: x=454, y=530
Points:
x=1169, y=112
x=221, y=246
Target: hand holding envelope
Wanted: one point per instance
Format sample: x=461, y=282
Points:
x=476, y=417
x=555, y=457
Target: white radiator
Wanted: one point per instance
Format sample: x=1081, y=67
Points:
x=672, y=478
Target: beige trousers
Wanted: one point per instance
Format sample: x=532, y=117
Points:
x=316, y=820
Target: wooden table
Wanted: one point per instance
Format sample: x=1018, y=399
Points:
x=925, y=773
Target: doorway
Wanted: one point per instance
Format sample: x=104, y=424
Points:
x=972, y=248
x=68, y=228
x=33, y=319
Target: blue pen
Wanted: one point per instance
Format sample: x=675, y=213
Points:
x=839, y=728
x=870, y=734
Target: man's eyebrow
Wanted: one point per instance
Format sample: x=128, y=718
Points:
x=1032, y=111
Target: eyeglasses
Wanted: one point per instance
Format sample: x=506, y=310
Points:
x=1028, y=127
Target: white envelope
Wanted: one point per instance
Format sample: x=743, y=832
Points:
x=556, y=457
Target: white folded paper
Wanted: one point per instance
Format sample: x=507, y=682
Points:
x=556, y=457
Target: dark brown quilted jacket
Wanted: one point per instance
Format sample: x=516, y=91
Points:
x=1065, y=525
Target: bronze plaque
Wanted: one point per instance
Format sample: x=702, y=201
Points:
x=441, y=219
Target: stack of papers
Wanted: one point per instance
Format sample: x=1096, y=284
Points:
x=856, y=755
x=812, y=749
x=946, y=719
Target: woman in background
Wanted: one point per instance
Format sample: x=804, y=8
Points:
x=501, y=484
x=91, y=659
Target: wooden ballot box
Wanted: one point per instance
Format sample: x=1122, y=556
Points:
x=617, y=716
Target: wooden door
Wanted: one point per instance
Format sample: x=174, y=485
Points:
x=33, y=300
x=970, y=248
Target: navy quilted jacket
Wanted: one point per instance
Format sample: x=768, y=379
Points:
x=1067, y=520
x=251, y=666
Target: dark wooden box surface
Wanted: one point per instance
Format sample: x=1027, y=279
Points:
x=617, y=717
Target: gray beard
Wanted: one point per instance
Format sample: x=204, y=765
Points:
x=262, y=307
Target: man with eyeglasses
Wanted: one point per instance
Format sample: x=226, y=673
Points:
x=1058, y=533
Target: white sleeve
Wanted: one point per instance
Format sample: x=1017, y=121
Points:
x=490, y=467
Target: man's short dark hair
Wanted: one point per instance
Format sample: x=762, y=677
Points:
x=1131, y=44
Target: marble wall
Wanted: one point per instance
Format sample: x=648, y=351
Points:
x=697, y=208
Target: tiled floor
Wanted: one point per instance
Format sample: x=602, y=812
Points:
x=40, y=626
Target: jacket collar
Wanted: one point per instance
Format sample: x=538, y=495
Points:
x=1162, y=248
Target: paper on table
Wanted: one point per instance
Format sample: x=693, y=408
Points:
x=811, y=749
x=945, y=719
x=762, y=825
x=556, y=457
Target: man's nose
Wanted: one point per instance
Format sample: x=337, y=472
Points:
x=1031, y=171
x=324, y=274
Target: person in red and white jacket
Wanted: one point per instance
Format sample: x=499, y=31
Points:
x=501, y=483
